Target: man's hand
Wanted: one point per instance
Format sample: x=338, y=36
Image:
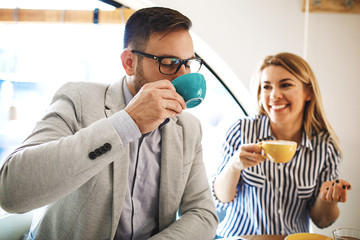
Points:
x=155, y=102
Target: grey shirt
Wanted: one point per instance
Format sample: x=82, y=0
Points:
x=140, y=214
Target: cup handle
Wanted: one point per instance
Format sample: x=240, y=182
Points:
x=260, y=144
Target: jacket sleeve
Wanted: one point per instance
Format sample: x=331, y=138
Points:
x=55, y=159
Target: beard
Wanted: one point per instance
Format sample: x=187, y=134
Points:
x=140, y=79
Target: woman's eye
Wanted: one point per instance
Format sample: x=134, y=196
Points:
x=266, y=87
x=285, y=85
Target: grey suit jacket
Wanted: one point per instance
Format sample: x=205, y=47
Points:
x=85, y=196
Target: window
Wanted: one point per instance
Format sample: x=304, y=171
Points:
x=36, y=59
x=216, y=113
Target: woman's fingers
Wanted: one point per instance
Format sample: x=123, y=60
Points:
x=343, y=194
x=334, y=194
x=251, y=148
x=329, y=195
x=335, y=191
x=247, y=156
x=250, y=159
x=252, y=153
x=344, y=186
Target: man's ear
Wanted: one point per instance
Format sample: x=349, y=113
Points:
x=128, y=61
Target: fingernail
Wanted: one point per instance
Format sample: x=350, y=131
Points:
x=327, y=188
x=337, y=180
x=344, y=187
x=348, y=186
x=333, y=184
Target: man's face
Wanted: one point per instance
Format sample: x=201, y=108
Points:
x=175, y=44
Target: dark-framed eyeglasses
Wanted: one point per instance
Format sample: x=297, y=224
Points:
x=171, y=65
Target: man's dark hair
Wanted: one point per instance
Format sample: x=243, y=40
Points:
x=147, y=21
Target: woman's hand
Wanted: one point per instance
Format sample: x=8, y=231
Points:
x=334, y=191
x=226, y=183
x=247, y=156
x=325, y=210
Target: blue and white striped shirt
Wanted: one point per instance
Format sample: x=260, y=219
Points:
x=275, y=198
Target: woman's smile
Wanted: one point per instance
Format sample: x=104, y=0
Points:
x=278, y=107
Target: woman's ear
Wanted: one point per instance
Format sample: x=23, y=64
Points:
x=128, y=61
x=309, y=94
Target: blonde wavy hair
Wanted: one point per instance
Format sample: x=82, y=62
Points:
x=315, y=120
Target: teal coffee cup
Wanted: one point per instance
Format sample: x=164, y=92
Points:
x=192, y=87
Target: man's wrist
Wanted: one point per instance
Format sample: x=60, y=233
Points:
x=125, y=127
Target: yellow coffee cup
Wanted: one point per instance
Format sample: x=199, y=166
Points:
x=279, y=151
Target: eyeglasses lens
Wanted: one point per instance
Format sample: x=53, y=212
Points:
x=171, y=65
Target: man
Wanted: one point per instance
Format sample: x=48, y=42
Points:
x=119, y=161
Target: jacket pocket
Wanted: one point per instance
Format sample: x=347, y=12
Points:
x=304, y=192
x=253, y=179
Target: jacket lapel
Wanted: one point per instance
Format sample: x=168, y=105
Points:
x=171, y=171
x=114, y=102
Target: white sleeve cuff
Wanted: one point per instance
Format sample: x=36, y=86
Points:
x=125, y=127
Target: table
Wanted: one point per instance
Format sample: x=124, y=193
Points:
x=264, y=237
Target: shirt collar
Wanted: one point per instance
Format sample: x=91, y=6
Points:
x=268, y=135
x=127, y=94
x=306, y=142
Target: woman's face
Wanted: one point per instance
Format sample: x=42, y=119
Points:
x=283, y=96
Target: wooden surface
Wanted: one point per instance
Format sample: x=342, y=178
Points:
x=336, y=6
x=264, y=237
x=120, y=15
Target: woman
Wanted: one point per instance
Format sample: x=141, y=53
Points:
x=262, y=197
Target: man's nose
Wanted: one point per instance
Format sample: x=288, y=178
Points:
x=183, y=70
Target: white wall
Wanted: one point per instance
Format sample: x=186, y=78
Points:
x=244, y=32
